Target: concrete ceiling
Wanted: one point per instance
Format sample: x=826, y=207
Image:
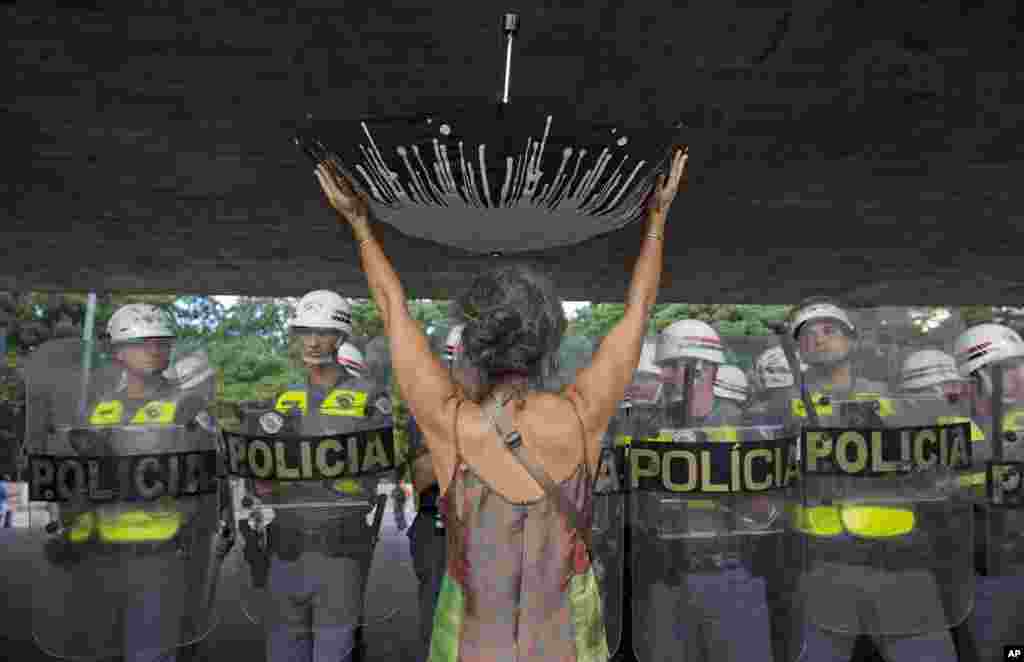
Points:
x=868, y=149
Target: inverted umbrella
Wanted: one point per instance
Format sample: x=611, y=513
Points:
x=502, y=179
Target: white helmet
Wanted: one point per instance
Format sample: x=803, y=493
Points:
x=647, y=354
x=350, y=358
x=453, y=344
x=731, y=384
x=137, y=321
x=772, y=369
x=821, y=311
x=323, y=309
x=191, y=370
x=688, y=339
x=646, y=386
x=927, y=368
x=985, y=344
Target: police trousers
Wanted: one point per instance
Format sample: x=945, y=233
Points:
x=314, y=605
x=429, y=558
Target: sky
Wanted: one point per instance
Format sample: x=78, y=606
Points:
x=570, y=307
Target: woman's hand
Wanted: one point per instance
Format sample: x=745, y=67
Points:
x=665, y=192
x=353, y=206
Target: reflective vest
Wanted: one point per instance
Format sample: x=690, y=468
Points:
x=1011, y=423
x=863, y=521
x=797, y=408
x=154, y=412
x=131, y=526
x=337, y=402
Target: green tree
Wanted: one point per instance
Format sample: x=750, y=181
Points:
x=251, y=367
x=595, y=321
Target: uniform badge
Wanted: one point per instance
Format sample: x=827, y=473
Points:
x=271, y=422
x=383, y=405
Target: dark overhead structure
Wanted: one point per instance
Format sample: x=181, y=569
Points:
x=870, y=150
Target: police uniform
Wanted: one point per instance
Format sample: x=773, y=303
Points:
x=427, y=544
x=150, y=583
x=319, y=558
x=829, y=540
x=692, y=601
x=996, y=618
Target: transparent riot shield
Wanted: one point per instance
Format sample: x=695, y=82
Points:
x=998, y=411
x=609, y=528
x=712, y=575
x=884, y=449
x=312, y=514
x=133, y=520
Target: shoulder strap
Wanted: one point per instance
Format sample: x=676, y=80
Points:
x=514, y=442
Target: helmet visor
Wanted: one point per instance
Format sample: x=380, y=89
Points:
x=701, y=395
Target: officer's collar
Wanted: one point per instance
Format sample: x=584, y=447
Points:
x=342, y=378
x=162, y=389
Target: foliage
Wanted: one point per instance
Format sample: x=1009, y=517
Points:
x=596, y=321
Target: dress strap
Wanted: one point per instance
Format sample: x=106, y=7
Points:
x=583, y=437
x=513, y=441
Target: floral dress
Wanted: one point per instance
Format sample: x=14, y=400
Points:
x=519, y=583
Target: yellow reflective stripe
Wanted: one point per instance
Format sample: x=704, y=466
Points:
x=818, y=520
x=719, y=433
x=798, y=409
x=971, y=480
x=82, y=528
x=155, y=412
x=290, y=400
x=702, y=504
x=878, y=521
x=863, y=521
x=348, y=486
x=722, y=433
x=137, y=526
x=623, y=440
x=886, y=407
x=1010, y=421
x=343, y=402
x=107, y=413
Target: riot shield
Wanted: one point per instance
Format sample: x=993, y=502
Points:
x=131, y=543
x=609, y=528
x=708, y=522
x=312, y=513
x=884, y=446
x=998, y=410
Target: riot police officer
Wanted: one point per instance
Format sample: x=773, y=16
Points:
x=351, y=359
x=773, y=381
x=310, y=563
x=151, y=547
x=854, y=588
x=692, y=594
x=932, y=373
x=731, y=391
x=991, y=357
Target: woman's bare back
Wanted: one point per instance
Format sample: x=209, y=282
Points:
x=551, y=434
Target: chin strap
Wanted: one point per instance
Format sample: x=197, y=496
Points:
x=514, y=442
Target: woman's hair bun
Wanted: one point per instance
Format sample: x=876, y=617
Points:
x=513, y=319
